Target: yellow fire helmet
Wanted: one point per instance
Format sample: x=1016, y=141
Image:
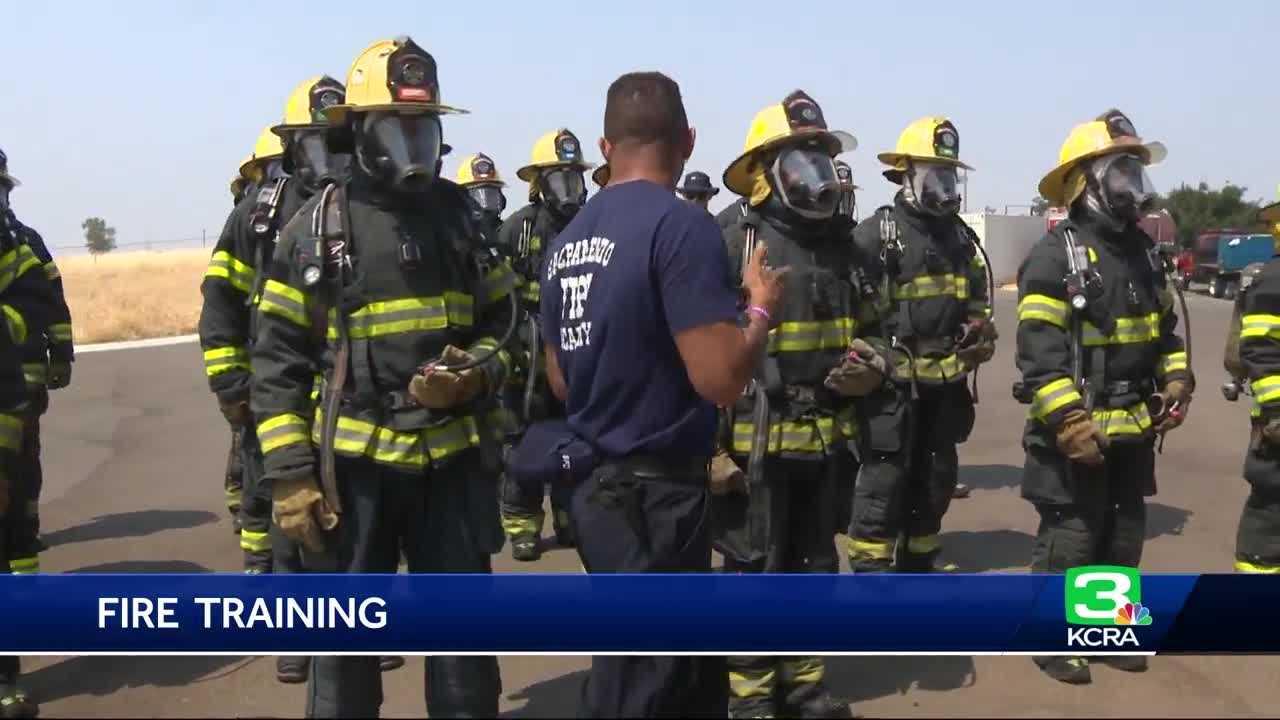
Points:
x=391, y=75
x=478, y=169
x=1111, y=132
x=929, y=139
x=845, y=175
x=601, y=175
x=796, y=118
x=558, y=148
x=268, y=147
x=306, y=104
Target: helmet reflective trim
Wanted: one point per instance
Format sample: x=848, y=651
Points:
x=568, y=149
x=946, y=141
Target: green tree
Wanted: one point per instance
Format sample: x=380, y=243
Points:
x=97, y=236
x=1200, y=208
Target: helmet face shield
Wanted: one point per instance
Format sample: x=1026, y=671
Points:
x=935, y=188
x=1125, y=187
x=563, y=189
x=488, y=198
x=402, y=151
x=313, y=164
x=806, y=182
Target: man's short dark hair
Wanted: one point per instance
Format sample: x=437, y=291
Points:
x=645, y=108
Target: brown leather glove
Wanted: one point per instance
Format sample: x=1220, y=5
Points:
x=861, y=373
x=301, y=511
x=442, y=389
x=237, y=413
x=1177, y=401
x=1080, y=440
x=978, y=345
x=726, y=476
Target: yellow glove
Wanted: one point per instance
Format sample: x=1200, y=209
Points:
x=444, y=389
x=1080, y=440
x=861, y=373
x=726, y=476
x=301, y=511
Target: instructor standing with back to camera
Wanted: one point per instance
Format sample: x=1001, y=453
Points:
x=642, y=343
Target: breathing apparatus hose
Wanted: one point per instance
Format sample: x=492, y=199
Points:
x=489, y=354
x=531, y=381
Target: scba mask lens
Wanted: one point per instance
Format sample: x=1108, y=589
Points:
x=564, y=189
x=1125, y=187
x=313, y=164
x=272, y=170
x=488, y=198
x=402, y=151
x=936, y=188
x=805, y=178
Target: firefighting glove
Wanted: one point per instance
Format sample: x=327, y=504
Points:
x=1081, y=440
x=860, y=373
x=978, y=343
x=440, y=389
x=59, y=374
x=236, y=412
x=1271, y=432
x=1177, y=400
x=301, y=511
x=726, y=476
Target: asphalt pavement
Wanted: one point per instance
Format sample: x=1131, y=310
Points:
x=134, y=455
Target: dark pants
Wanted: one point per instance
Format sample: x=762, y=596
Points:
x=804, y=508
x=233, y=480
x=908, y=476
x=638, y=521
x=1258, y=537
x=522, y=507
x=9, y=664
x=444, y=521
x=26, y=481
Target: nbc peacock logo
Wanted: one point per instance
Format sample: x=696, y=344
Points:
x=1133, y=614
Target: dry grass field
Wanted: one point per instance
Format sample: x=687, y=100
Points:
x=134, y=295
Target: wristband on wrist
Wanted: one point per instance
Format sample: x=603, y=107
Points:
x=760, y=312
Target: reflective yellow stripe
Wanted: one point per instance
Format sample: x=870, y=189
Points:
x=1266, y=389
x=36, y=373
x=1044, y=309
x=220, y=360
x=869, y=549
x=799, y=436
x=807, y=336
x=803, y=671
x=1121, y=422
x=414, y=450
x=927, y=286
x=1255, y=409
x=1171, y=362
x=499, y=282
x=17, y=326
x=14, y=264
x=281, y=430
x=484, y=345
x=1128, y=330
x=60, y=333
x=254, y=542
x=228, y=267
x=51, y=271
x=751, y=684
x=10, y=432
x=1260, y=325
x=1244, y=566
x=1053, y=396
x=515, y=526
x=284, y=301
x=924, y=544
x=938, y=370
x=420, y=314
x=979, y=310
x=24, y=566
x=531, y=291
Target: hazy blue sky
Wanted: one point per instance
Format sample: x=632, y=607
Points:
x=141, y=111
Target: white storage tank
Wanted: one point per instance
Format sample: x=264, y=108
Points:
x=1007, y=240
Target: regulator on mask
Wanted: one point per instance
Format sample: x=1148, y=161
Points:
x=563, y=190
x=400, y=151
x=1118, y=190
x=804, y=180
x=489, y=203
x=932, y=188
x=309, y=160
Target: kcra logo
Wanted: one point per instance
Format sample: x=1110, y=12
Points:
x=1108, y=601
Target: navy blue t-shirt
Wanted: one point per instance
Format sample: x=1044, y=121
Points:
x=634, y=267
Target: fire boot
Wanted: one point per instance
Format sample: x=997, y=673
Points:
x=387, y=663
x=292, y=669
x=1070, y=670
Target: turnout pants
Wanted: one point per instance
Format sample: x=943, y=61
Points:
x=26, y=481
x=803, y=502
x=908, y=475
x=266, y=549
x=9, y=664
x=630, y=518
x=445, y=520
x=522, y=508
x=233, y=480
x=1258, y=537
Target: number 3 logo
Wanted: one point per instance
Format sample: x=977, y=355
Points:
x=1095, y=594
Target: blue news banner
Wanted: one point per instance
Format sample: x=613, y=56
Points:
x=1096, y=610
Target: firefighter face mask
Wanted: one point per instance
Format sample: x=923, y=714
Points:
x=489, y=202
x=848, y=203
x=805, y=182
x=272, y=170
x=934, y=188
x=563, y=189
x=313, y=164
x=1119, y=188
x=400, y=151
x=4, y=197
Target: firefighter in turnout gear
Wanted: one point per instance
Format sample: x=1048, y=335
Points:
x=557, y=190
x=478, y=175
x=29, y=305
x=932, y=308
x=787, y=443
x=848, y=192
x=1253, y=358
x=1102, y=368
x=47, y=355
x=382, y=282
